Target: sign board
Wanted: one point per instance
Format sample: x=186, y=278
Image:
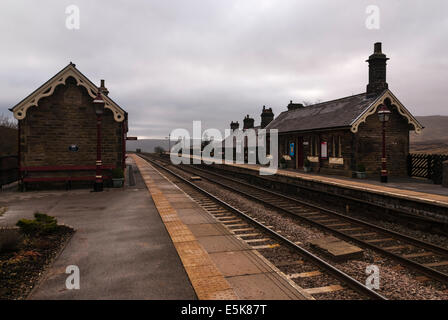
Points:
x=291, y=149
x=323, y=150
x=131, y=138
x=73, y=148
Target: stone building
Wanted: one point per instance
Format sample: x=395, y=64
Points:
x=58, y=132
x=339, y=135
x=248, y=123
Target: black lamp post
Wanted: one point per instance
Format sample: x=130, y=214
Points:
x=98, y=103
x=384, y=115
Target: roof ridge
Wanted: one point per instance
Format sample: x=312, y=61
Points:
x=334, y=100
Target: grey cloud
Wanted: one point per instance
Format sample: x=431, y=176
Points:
x=171, y=62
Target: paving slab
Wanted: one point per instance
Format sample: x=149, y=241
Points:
x=220, y=243
x=337, y=248
x=206, y=229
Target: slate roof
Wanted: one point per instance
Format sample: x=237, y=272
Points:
x=330, y=114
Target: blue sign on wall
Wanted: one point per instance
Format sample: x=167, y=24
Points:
x=291, y=149
x=73, y=148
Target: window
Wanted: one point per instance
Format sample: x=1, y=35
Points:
x=336, y=147
x=311, y=141
x=314, y=147
x=339, y=147
x=333, y=147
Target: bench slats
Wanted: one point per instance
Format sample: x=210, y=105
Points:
x=53, y=179
x=65, y=168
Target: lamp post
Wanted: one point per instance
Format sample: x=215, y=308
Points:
x=384, y=115
x=98, y=103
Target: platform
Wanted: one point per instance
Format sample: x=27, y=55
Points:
x=121, y=246
x=407, y=188
x=415, y=197
x=219, y=265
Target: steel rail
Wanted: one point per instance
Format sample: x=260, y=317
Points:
x=342, y=276
x=443, y=277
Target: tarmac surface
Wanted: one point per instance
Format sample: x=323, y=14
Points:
x=121, y=246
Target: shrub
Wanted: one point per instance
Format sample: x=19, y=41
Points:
x=117, y=173
x=361, y=168
x=42, y=224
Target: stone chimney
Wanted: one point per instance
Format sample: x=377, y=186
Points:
x=266, y=117
x=234, y=125
x=248, y=122
x=293, y=106
x=103, y=89
x=377, y=71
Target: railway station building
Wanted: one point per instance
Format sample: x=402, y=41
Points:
x=58, y=127
x=248, y=123
x=338, y=136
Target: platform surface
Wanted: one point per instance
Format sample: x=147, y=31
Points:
x=121, y=246
x=220, y=266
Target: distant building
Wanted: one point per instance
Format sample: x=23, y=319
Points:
x=58, y=133
x=248, y=123
x=336, y=136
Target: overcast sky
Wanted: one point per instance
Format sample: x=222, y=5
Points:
x=171, y=62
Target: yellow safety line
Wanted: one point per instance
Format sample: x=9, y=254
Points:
x=206, y=279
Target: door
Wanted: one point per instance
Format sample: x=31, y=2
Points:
x=299, y=153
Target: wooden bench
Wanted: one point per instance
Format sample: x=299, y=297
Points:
x=67, y=179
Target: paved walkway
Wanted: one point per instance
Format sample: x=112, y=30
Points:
x=121, y=246
x=219, y=265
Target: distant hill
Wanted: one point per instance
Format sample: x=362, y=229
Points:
x=147, y=145
x=434, y=137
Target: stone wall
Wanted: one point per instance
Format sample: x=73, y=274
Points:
x=341, y=167
x=63, y=119
x=367, y=145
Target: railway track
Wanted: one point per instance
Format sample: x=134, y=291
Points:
x=262, y=237
x=426, y=258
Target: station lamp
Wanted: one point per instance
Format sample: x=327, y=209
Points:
x=384, y=116
x=98, y=103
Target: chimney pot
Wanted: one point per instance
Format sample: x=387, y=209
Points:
x=377, y=47
x=103, y=88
